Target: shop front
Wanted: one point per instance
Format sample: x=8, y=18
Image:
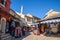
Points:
x=3, y=19
x=7, y=22
x=52, y=25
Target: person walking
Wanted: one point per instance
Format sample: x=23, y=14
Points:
x=23, y=31
x=17, y=32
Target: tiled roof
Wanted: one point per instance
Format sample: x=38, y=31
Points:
x=52, y=14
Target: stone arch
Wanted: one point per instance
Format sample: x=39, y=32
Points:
x=3, y=24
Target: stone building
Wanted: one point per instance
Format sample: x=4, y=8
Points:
x=52, y=20
x=6, y=15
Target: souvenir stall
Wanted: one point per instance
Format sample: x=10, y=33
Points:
x=53, y=24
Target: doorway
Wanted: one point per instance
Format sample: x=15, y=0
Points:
x=3, y=24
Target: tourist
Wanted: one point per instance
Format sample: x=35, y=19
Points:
x=18, y=31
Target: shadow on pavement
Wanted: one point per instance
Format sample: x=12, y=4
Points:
x=21, y=38
x=54, y=35
x=27, y=34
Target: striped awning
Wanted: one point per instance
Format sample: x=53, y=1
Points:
x=50, y=21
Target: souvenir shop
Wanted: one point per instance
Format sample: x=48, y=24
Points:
x=53, y=25
x=7, y=22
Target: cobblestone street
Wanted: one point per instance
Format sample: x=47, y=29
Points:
x=39, y=37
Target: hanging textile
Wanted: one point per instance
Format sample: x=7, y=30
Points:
x=54, y=28
x=7, y=27
x=13, y=24
x=52, y=25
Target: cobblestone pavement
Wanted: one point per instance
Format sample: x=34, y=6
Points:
x=38, y=37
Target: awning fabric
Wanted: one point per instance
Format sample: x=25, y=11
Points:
x=33, y=24
x=50, y=21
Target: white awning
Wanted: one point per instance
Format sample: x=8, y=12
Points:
x=50, y=21
x=32, y=24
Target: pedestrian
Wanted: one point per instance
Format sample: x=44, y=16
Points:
x=23, y=31
x=12, y=27
x=49, y=31
x=36, y=31
x=17, y=32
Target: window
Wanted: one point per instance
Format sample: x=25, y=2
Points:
x=2, y=2
x=29, y=19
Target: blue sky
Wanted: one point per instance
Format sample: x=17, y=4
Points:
x=35, y=7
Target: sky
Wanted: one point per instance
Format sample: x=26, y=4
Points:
x=35, y=7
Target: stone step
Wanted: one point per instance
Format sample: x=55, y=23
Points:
x=6, y=37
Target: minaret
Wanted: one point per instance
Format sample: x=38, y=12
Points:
x=21, y=13
x=22, y=9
